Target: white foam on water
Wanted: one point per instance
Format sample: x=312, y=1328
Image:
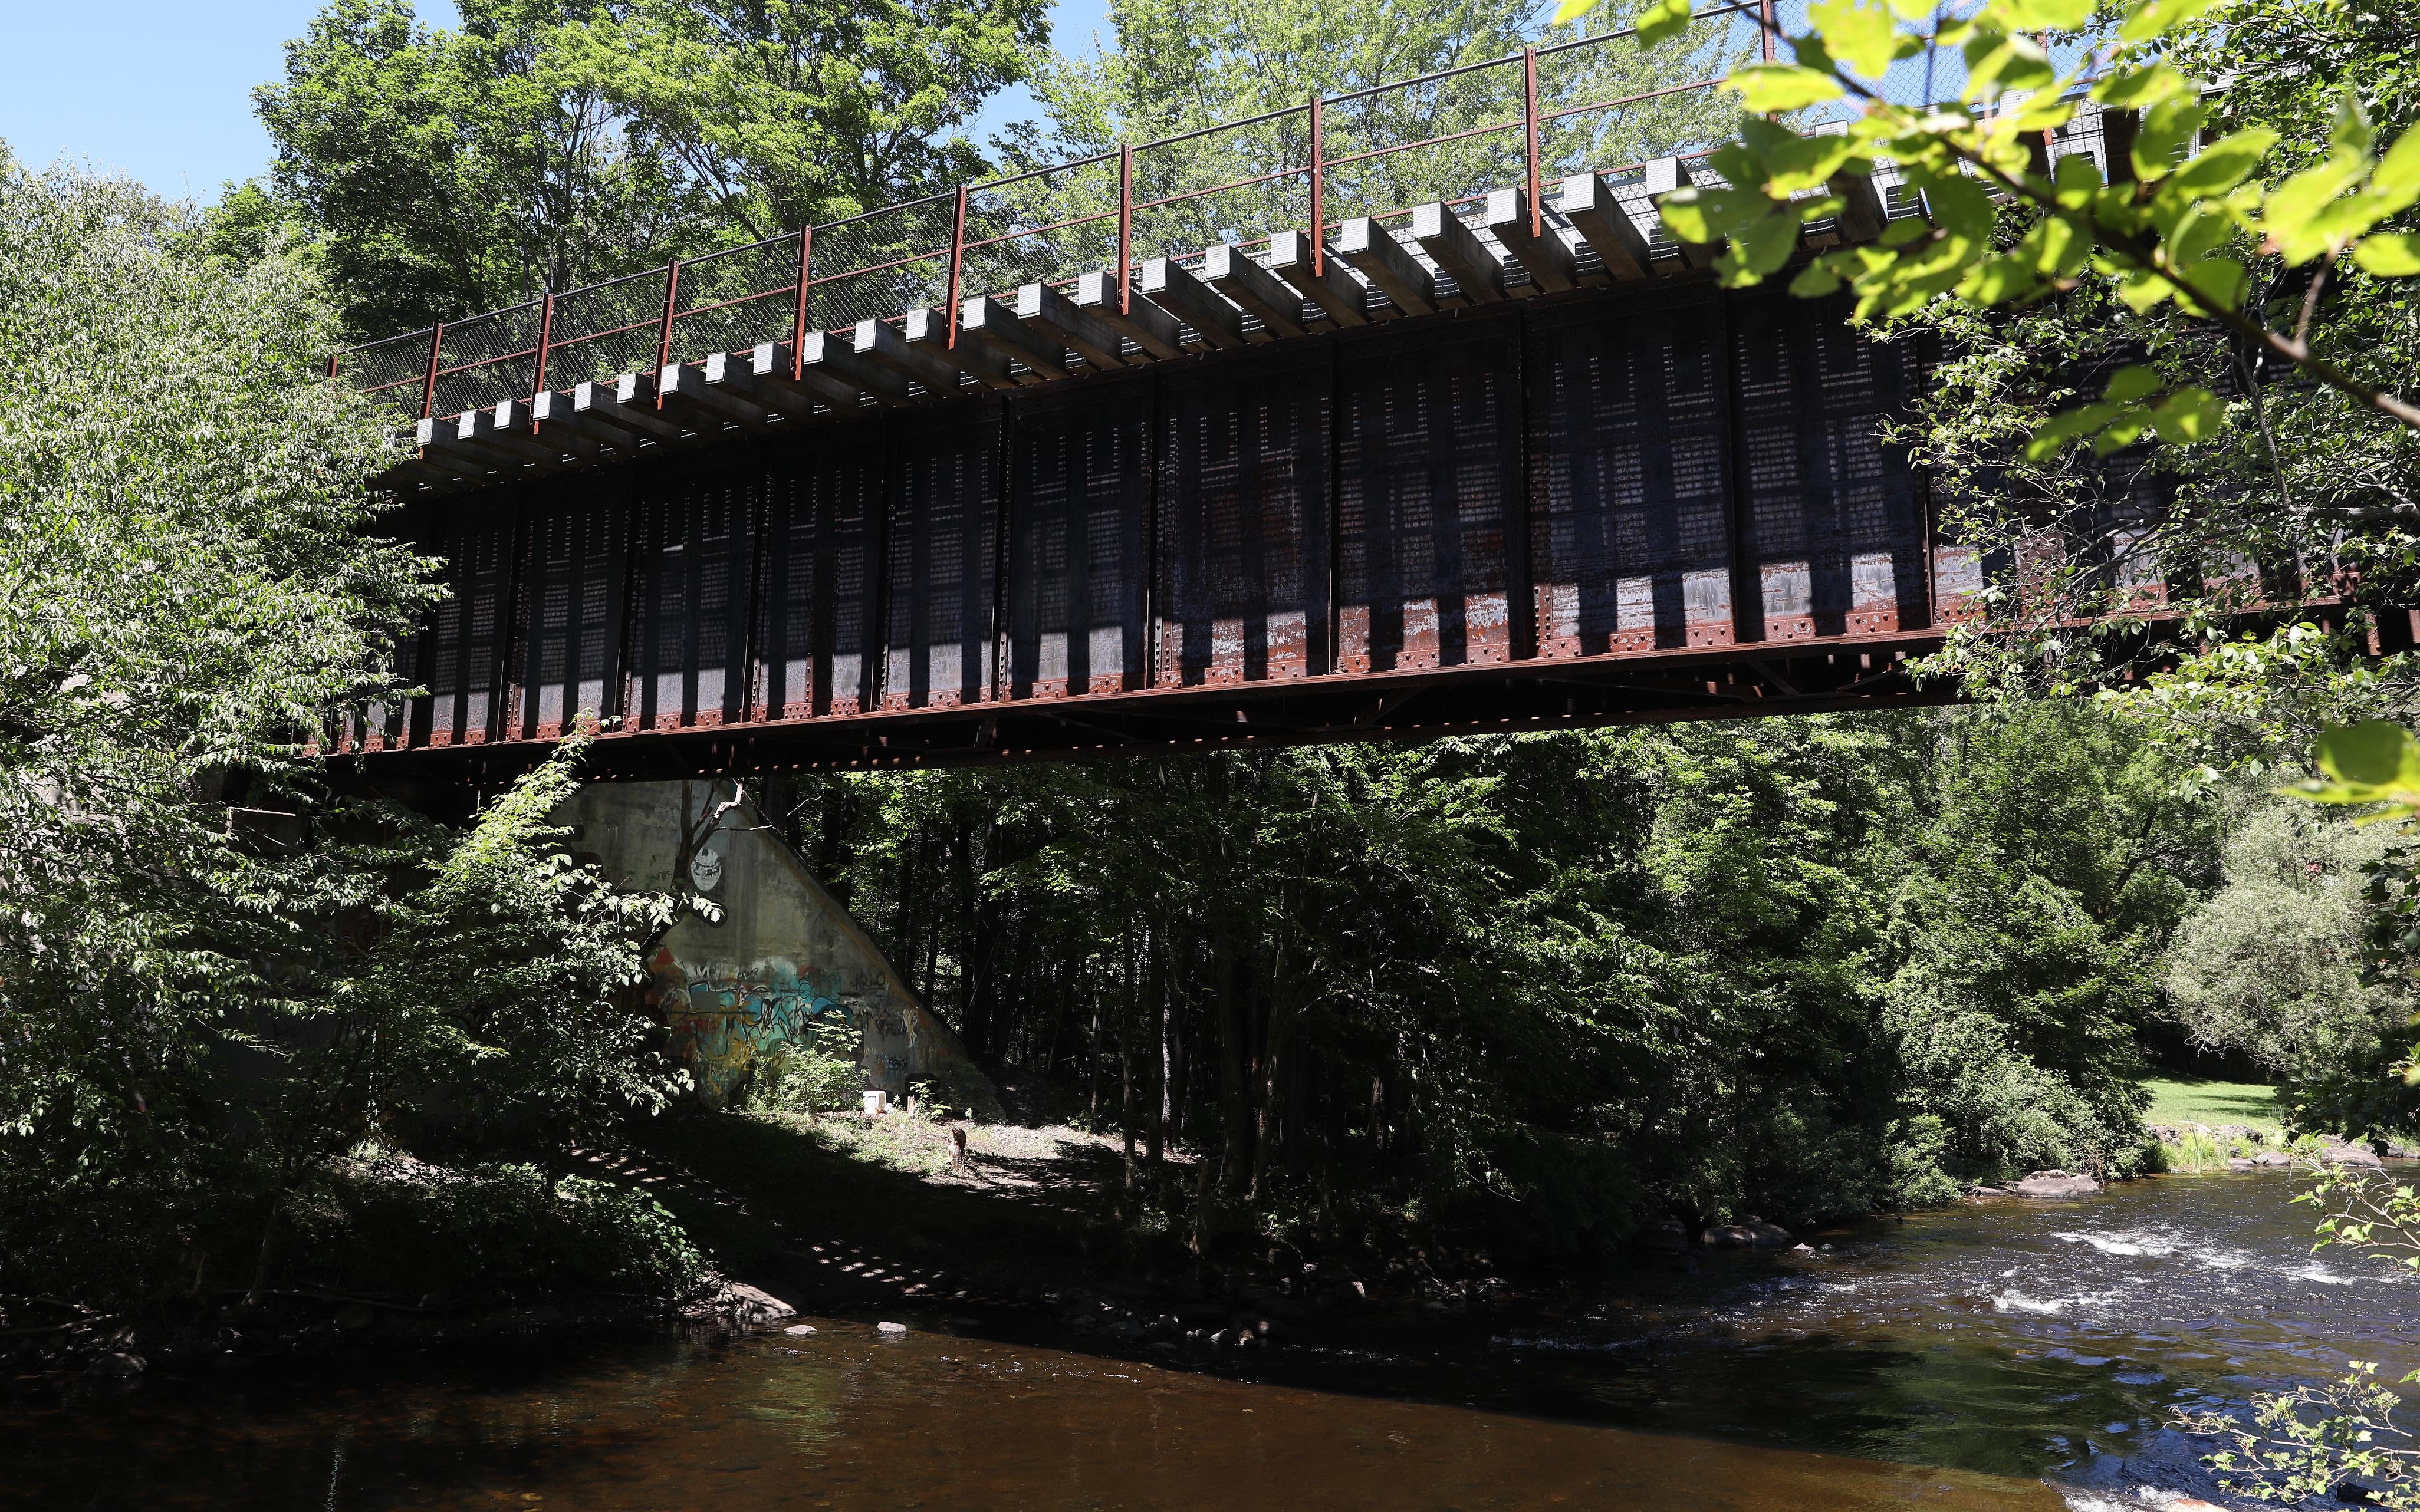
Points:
x=2123, y=1242
x=2010, y=1302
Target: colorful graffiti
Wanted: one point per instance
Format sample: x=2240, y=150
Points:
x=721, y=1022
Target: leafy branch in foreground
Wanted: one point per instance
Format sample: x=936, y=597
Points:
x=2184, y=231
x=2340, y=1438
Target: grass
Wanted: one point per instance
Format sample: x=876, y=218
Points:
x=2249, y=1104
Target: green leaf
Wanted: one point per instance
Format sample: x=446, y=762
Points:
x=2188, y=415
x=2129, y=384
x=1765, y=244
x=2142, y=88
x=2167, y=128
x=2398, y=174
x=1998, y=64
x=2220, y=283
x=2056, y=432
x=1662, y=21
x=1814, y=281
x=2293, y=213
x=2157, y=17
x=2037, y=15
x=2374, y=755
x=2225, y=162
x=1778, y=86
x=1861, y=33
x=1570, y=11
x=2389, y=254
x=1998, y=280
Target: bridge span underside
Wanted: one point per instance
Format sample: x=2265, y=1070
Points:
x=1598, y=506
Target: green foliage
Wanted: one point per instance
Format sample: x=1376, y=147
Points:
x=487, y=1232
x=546, y=144
x=224, y=972
x=2273, y=963
x=796, y=1077
x=1562, y=986
x=2183, y=231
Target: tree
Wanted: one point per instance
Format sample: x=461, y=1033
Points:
x=224, y=973
x=548, y=143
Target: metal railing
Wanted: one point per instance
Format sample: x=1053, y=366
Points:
x=1596, y=103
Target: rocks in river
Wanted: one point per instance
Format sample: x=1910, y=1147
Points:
x=2055, y=1184
x=799, y=1330
x=1666, y=1235
x=2273, y=1157
x=1754, y=1233
x=2348, y=1155
x=2238, y=1162
x=891, y=1330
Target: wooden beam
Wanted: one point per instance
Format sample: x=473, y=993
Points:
x=1389, y=264
x=1546, y=256
x=1666, y=176
x=1045, y=310
x=880, y=343
x=1331, y=288
x=551, y=412
x=1216, y=320
x=1141, y=322
x=989, y=324
x=1231, y=271
x=1591, y=205
x=453, y=464
x=474, y=431
x=761, y=375
x=1862, y=216
x=684, y=384
x=927, y=330
x=627, y=402
x=1452, y=248
x=517, y=417
x=832, y=367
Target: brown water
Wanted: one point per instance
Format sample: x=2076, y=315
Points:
x=2007, y=1356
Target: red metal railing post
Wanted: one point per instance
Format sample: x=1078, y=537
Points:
x=1318, y=189
x=331, y=366
x=798, y=317
x=1529, y=122
x=545, y=338
x=957, y=258
x=1125, y=230
x=428, y=391
x=664, y=335
x=1767, y=25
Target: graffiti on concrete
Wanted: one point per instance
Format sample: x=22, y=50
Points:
x=723, y=1021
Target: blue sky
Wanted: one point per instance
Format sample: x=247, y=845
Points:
x=162, y=91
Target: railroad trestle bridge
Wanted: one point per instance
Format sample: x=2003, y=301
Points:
x=1065, y=463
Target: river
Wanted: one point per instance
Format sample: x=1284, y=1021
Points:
x=1999, y=1355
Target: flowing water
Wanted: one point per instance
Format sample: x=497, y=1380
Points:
x=2003, y=1355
